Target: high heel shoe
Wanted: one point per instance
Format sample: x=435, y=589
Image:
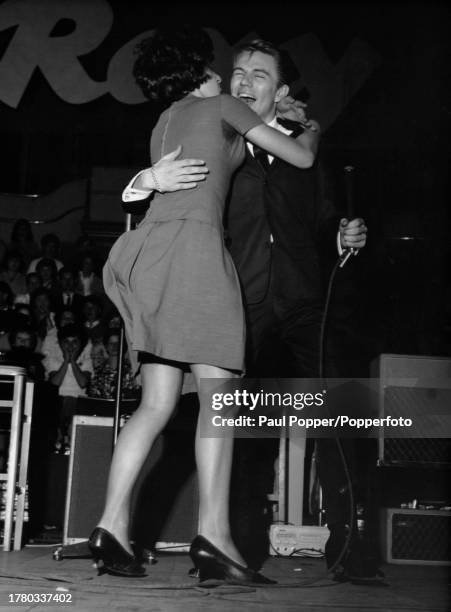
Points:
x=212, y=564
x=116, y=560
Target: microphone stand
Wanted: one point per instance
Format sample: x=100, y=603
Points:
x=120, y=362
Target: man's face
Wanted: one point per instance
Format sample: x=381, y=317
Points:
x=42, y=305
x=112, y=346
x=46, y=273
x=255, y=80
x=23, y=340
x=91, y=311
x=13, y=264
x=50, y=250
x=67, y=281
x=67, y=318
x=71, y=345
x=33, y=282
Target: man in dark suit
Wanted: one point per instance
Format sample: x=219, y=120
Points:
x=278, y=219
x=66, y=295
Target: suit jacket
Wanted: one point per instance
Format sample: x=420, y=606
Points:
x=77, y=302
x=290, y=204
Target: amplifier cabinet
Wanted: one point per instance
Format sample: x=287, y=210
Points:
x=165, y=504
x=395, y=374
x=416, y=537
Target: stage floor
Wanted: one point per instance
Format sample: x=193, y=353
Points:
x=303, y=585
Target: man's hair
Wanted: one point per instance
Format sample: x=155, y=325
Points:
x=172, y=62
x=72, y=331
x=286, y=70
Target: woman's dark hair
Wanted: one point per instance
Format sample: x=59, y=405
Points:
x=172, y=62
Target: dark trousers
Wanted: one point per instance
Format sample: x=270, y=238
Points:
x=286, y=344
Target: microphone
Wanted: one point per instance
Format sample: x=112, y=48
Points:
x=350, y=210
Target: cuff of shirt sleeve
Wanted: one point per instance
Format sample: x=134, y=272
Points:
x=132, y=194
x=339, y=247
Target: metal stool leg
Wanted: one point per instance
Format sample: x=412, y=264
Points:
x=17, y=402
x=23, y=469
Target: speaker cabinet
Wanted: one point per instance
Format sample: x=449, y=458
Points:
x=416, y=537
x=395, y=373
x=165, y=505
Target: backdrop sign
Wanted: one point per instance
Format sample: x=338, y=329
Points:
x=53, y=37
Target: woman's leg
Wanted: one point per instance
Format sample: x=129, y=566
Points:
x=161, y=386
x=214, y=465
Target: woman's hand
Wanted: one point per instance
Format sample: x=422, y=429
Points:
x=294, y=110
x=172, y=174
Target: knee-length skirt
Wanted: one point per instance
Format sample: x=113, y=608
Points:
x=177, y=290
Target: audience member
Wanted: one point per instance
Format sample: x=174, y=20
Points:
x=71, y=373
x=23, y=340
x=50, y=248
x=22, y=240
x=104, y=381
x=67, y=297
x=94, y=328
x=50, y=346
x=12, y=272
x=32, y=283
x=88, y=281
x=24, y=314
x=114, y=320
x=43, y=314
x=8, y=316
x=48, y=273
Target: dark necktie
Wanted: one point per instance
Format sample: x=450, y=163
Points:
x=262, y=157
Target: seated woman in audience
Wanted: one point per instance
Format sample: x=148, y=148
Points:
x=48, y=272
x=12, y=272
x=33, y=282
x=104, y=381
x=50, y=249
x=22, y=240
